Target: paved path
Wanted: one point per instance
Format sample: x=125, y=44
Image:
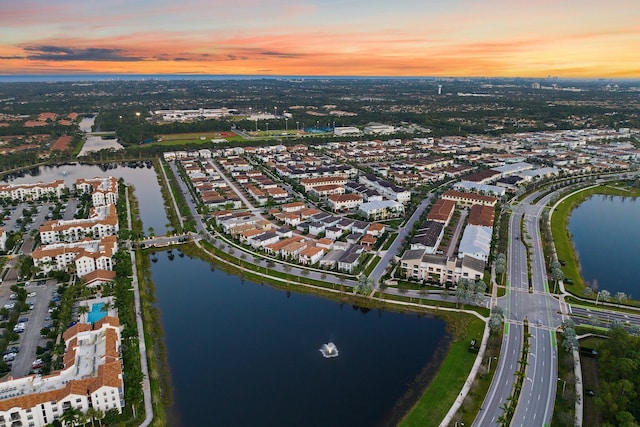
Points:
x=453, y=242
x=146, y=386
x=404, y=231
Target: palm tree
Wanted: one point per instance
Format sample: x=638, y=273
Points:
x=70, y=417
x=83, y=309
x=94, y=414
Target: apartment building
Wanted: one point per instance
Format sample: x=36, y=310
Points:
x=104, y=191
x=92, y=377
x=86, y=256
x=24, y=192
x=102, y=221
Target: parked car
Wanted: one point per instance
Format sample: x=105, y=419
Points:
x=9, y=306
x=9, y=357
x=23, y=320
x=31, y=294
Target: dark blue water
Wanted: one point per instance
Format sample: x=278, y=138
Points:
x=144, y=181
x=606, y=236
x=243, y=354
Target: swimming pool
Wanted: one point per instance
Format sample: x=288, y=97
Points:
x=96, y=313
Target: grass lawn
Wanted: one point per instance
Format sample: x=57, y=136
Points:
x=446, y=385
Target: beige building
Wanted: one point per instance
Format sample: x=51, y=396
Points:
x=439, y=268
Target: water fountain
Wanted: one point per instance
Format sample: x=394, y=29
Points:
x=329, y=350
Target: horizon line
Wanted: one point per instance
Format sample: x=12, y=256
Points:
x=186, y=76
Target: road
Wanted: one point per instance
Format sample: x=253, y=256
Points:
x=404, y=231
x=537, y=306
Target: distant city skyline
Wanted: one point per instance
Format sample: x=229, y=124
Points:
x=502, y=38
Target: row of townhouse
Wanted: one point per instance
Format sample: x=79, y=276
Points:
x=102, y=221
x=308, y=167
x=235, y=164
x=310, y=183
x=263, y=234
x=24, y=192
x=86, y=256
x=92, y=377
x=388, y=190
x=469, y=199
x=104, y=191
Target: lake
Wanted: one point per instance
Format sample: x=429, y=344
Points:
x=606, y=237
x=144, y=180
x=243, y=354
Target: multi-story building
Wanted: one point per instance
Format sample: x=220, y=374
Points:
x=469, y=199
x=441, y=269
x=3, y=240
x=104, y=191
x=387, y=189
x=92, y=377
x=35, y=191
x=86, y=256
x=102, y=221
x=338, y=202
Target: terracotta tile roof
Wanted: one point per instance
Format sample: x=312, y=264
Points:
x=481, y=215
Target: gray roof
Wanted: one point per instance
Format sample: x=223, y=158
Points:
x=413, y=254
x=428, y=233
x=473, y=263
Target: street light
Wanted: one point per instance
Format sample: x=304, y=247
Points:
x=491, y=358
x=564, y=385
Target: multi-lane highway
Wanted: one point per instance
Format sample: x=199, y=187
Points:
x=526, y=300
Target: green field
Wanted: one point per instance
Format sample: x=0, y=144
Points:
x=195, y=138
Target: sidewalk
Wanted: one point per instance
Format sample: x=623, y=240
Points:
x=146, y=386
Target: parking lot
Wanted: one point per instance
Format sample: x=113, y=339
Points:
x=39, y=292
x=39, y=295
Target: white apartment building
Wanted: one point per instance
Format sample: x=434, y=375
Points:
x=102, y=221
x=35, y=191
x=104, y=191
x=338, y=202
x=86, y=256
x=387, y=189
x=3, y=240
x=91, y=378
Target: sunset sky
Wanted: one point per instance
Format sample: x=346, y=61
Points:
x=511, y=38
